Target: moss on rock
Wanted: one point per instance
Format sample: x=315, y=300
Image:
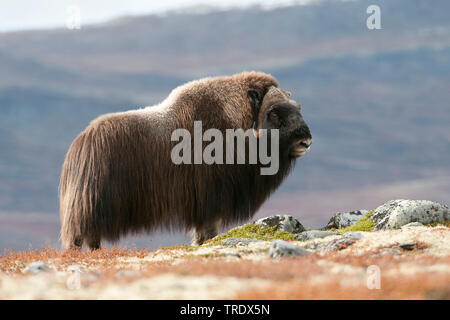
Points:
x=252, y=231
x=435, y=224
x=366, y=223
x=180, y=247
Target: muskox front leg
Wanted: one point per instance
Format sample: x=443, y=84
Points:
x=74, y=244
x=204, y=233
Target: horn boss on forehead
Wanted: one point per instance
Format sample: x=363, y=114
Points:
x=273, y=96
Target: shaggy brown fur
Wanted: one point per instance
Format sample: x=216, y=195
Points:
x=118, y=177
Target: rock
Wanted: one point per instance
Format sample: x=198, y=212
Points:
x=127, y=274
x=345, y=219
x=354, y=235
x=408, y=246
x=344, y=242
x=283, y=223
x=413, y=225
x=37, y=267
x=281, y=248
x=394, y=251
x=397, y=213
x=314, y=246
x=75, y=269
x=238, y=241
x=315, y=234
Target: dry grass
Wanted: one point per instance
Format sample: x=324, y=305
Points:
x=400, y=287
x=341, y=276
x=14, y=262
x=296, y=278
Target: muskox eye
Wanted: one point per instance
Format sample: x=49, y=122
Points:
x=275, y=119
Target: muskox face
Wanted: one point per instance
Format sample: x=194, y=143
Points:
x=295, y=136
x=278, y=111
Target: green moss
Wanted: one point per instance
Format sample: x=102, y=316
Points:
x=366, y=223
x=206, y=255
x=252, y=231
x=180, y=247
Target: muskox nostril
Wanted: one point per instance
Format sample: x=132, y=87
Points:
x=306, y=143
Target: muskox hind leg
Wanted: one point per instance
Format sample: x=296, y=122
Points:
x=94, y=243
x=202, y=234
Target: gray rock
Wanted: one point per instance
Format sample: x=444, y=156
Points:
x=238, y=241
x=413, y=225
x=315, y=234
x=396, y=213
x=408, y=246
x=283, y=223
x=75, y=268
x=354, y=235
x=344, y=242
x=394, y=251
x=345, y=219
x=281, y=248
x=37, y=267
x=314, y=246
x=127, y=274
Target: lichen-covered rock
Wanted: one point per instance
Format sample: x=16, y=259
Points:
x=354, y=235
x=281, y=248
x=345, y=219
x=315, y=234
x=238, y=241
x=413, y=225
x=396, y=213
x=284, y=223
x=344, y=242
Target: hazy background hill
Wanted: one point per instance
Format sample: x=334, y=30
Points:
x=377, y=101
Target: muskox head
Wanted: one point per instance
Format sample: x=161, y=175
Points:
x=278, y=111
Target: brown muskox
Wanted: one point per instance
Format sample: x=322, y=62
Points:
x=118, y=177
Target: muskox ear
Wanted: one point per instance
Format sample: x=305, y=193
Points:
x=255, y=98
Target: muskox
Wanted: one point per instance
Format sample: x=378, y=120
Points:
x=118, y=177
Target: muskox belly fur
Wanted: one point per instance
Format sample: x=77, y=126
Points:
x=118, y=177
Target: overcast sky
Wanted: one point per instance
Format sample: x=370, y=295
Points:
x=33, y=14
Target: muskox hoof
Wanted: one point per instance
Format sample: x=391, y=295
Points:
x=202, y=234
x=196, y=243
x=200, y=238
x=75, y=243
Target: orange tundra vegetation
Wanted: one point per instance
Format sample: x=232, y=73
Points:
x=292, y=278
x=14, y=262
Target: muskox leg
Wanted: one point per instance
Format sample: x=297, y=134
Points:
x=201, y=234
x=74, y=243
x=94, y=243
